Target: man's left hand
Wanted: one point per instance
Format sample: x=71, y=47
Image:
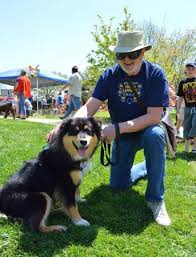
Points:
x=108, y=133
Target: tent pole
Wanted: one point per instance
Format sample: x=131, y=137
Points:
x=37, y=95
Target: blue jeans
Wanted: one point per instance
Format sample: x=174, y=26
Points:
x=21, y=104
x=74, y=104
x=152, y=140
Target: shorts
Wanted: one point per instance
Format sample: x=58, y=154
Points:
x=189, y=122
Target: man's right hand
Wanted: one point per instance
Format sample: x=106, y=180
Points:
x=52, y=134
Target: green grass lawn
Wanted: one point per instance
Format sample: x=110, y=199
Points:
x=121, y=224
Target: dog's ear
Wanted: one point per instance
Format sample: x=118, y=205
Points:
x=97, y=126
x=64, y=127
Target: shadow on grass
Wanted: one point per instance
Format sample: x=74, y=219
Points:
x=50, y=244
x=189, y=157
x=119, y=213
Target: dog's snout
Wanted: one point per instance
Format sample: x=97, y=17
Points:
x=83, y=142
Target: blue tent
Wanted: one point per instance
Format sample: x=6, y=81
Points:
x=42, y=78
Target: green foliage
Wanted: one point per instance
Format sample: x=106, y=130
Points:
x=170, y=51
x=121, y=224
x=104, y=36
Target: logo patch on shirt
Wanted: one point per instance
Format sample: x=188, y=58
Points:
x=126, y=94
x=189, y=90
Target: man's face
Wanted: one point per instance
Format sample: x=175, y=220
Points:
x=131, y=65
x=190, y=71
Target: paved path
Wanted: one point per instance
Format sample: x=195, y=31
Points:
x=39, y=120
x=43, y=120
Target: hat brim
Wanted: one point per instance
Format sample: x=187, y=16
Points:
x=191, y=64
x=118, y=49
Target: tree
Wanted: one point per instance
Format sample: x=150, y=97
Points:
x=170, y=51
x=104, y=36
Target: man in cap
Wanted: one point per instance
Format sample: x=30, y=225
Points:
x=135, y=118
x=187, y=92
x=75, y=90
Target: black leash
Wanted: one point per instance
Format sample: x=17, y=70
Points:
x=106, y=150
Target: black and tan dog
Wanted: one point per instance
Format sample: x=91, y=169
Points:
x=30, y=193
x=7, y=107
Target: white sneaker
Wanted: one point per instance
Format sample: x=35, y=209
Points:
x=177, y=133
x=159, y=212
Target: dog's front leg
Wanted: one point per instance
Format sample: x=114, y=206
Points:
x=77, y=196
x=75, y=216
x=72, y=207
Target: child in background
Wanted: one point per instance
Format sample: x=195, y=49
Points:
x=59, y=102
x=187, y=92
x=29, y=107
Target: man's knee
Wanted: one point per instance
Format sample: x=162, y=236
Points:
x=154, y=134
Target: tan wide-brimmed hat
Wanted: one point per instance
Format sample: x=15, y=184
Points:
x=193, y=64
x=129, y=41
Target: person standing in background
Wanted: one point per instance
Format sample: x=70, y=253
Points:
x=66, y=99
x=187, y=92
x=23, y=90
x=75, y=90
x=59, y=102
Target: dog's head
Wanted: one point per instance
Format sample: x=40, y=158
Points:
x=79, y=137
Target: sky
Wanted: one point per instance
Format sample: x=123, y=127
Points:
x=56, y=34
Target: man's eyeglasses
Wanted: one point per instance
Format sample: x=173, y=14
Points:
x=133, y=55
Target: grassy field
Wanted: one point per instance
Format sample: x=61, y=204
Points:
x=121, y=224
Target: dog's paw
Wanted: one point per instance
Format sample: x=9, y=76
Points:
x=53, y=228
x=59, y=228
x=3, y=216
x=81, y=222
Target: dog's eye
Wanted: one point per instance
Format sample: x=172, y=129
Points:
x=87, y=128
x=88, y=131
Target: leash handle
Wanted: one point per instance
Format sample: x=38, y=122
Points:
x=105, y=154
x=106, y=150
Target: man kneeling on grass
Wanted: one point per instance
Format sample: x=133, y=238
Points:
x=139, y=127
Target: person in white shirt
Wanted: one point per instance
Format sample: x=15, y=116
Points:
x=75, y=90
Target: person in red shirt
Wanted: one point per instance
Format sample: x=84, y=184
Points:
x=23, y=90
